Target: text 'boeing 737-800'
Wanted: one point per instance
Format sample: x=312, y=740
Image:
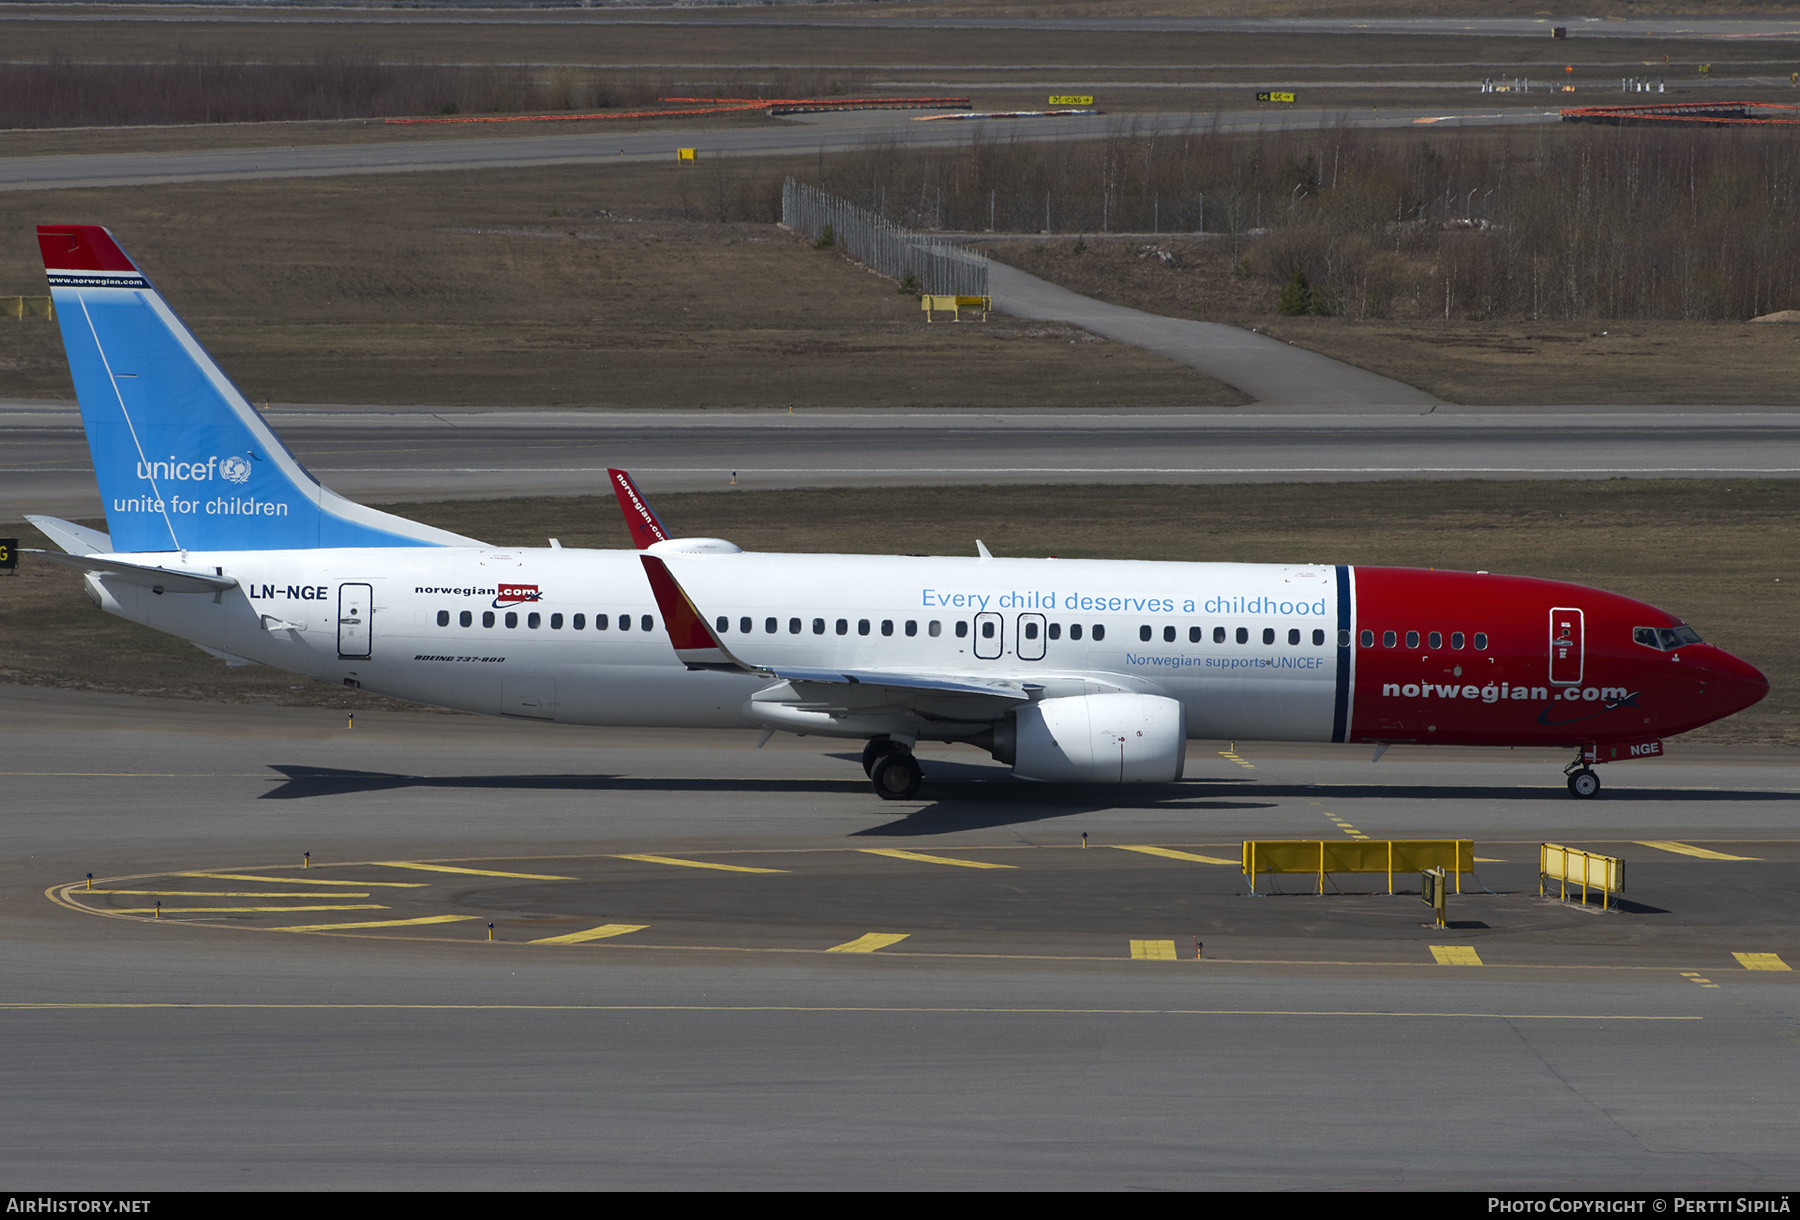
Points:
x=1085, y=671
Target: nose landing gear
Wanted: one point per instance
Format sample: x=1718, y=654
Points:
x=1583, y=783
x=893, y=770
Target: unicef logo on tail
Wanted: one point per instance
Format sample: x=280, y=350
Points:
x=236, y=469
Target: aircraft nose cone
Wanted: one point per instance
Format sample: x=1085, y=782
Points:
x=1735, y=684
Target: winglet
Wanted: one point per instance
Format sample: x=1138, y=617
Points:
x=645, y=526
x=68, y=248
x=695, y=644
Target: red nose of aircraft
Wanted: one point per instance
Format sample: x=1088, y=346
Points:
x=1730, y=685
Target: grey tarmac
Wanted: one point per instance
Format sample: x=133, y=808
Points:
x=381, y=453
x=1010, y=1041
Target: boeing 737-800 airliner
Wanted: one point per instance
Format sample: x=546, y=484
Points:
x=1086, y=671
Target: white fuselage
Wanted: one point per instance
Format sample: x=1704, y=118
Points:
x=1070, y=626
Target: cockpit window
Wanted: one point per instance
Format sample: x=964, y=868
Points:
x=1665, y=639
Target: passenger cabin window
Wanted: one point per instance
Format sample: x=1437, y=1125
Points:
x=1368, y=639
x=579, y=622
x=1456, y=639
x=770, y=625
x=624, y=622
x=1144, y=632
x=962, y=628
x=1193, y=635
x=1437, y=639
x=934, y=629
x=600, y=622
x=1293, y=635
x=1387, y=639
x=1412, y=639
x=1243, y=635
x=512, y=618
x=912, y=627
x=1099, y=631
x=443, y=618
x=843, y=626
x=647, y=623
x=1319, y=638
x=556, y=622
x=465, y=618
x=1268, y=635
x=746, y=624
x=1074, y=631
x=887, y=627
x=1056, y=631
x=1481, y=641
x=1168, y=635
x=793, y=626
x=987, y=630
x=534, y=620
x=487, y=618
x=723, y=624
x=1218, y=635
x=1031, y=631
x=862, y=626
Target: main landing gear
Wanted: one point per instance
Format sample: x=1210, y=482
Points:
x=1583, y=783
x=893, y=770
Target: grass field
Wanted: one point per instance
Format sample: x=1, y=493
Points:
x=1501, y=363
x=1720, y=555
x=611, y=286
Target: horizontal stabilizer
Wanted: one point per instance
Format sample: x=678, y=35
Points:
x=162, y=580
x=75, y=539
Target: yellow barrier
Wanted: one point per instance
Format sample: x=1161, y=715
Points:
x=955, y=304
x=26, y=307
x=1569, y=865
x=686, y=154
x=1322, y=856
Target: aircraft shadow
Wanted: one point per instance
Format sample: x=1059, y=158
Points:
x=965, y=797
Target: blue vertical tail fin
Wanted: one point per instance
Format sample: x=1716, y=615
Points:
x=184, y=462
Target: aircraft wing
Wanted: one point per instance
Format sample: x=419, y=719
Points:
x=698, y=647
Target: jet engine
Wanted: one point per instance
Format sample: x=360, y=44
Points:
x=1096, y=739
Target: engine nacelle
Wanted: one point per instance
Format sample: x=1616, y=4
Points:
x=1097, y=739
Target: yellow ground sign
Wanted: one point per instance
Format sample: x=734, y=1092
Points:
x=1274, y=96
x=1390, y=856
x=1069, y=99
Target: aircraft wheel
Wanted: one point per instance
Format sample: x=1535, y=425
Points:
x=875, y=749
x=1584, y=784
x=896, y=775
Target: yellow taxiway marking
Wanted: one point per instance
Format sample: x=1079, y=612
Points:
x=380, y=923
x=1153, y=950
x=469, y=872
x=723, y=868
x=1171, y=854
x=1761, y=961
x=1455, y=955
x=600, y=933
x=220, y=894
x=51, y=1005
x=354, y=906
x=1232, y=755
x=386, y=885
x=1695, y=978
x=1684, y=849
x=593, y=934
x=869, y=942
x=922, y=858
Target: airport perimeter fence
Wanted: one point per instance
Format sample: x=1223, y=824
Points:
x=937, y=264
